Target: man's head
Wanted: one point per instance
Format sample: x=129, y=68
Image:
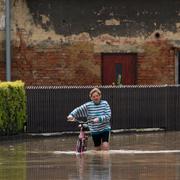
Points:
x=95, y=95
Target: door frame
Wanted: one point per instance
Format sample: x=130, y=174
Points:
x=120, y=53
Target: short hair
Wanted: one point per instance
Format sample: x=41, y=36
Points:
x=93, y=91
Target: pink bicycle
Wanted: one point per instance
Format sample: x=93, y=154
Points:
x=82, y=140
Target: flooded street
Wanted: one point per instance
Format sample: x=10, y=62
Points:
x=133, y=156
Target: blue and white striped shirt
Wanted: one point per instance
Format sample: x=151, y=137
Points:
x=90, y=110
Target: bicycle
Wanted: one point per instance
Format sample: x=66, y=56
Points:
x=82, y=140
x=81, y=144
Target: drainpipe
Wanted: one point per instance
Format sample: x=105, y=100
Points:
x=8, y=40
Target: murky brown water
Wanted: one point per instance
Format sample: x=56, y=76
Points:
x=143, y=156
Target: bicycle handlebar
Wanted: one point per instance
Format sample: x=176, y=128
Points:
x=80, y=122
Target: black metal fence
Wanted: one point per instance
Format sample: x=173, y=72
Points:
x=133, y=107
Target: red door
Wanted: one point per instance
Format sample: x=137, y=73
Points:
x=119, y=69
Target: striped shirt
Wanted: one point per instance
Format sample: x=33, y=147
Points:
x=90, y=110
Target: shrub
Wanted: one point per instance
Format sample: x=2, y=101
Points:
x=12, y=107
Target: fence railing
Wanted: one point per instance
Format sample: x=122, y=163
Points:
x=133, y=107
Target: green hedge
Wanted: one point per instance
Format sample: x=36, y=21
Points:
x=12, y=107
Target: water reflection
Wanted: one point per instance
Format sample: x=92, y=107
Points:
x=100, y=167
x=46, y=159
x=94, y=167
x=13, y=162
x=146, y=167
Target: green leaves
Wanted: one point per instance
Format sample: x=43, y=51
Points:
x=12, y=107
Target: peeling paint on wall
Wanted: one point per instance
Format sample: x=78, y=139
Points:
x=2, y=14
x=178, y=26
x=94, y=17
x=56, y=42
x=45, y=19
x=22, y=20
x=112, y=22
x=33, y=33
x=2, y=22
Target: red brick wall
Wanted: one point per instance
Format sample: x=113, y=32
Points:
x=66, y=65
x=79, y=64
x=49, y=48
x=156, y=65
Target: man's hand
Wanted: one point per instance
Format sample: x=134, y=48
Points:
x=95, y=120
x=71, y=118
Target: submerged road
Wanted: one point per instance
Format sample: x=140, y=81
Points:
x=133, y=156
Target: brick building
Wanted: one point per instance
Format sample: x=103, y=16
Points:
x=82, y=42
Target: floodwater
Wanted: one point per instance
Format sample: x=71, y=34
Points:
x=133, y=156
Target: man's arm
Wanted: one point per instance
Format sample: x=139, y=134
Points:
x=107, y=116
x=78, y=112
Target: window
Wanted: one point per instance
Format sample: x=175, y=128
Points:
x=118, y=71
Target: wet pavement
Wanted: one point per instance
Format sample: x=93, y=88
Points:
x=133, y=156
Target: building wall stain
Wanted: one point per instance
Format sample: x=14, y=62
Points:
x=2, y=15
x=60, y=42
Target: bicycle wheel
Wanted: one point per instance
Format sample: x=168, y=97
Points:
x=84, y=144
x=79, y=146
